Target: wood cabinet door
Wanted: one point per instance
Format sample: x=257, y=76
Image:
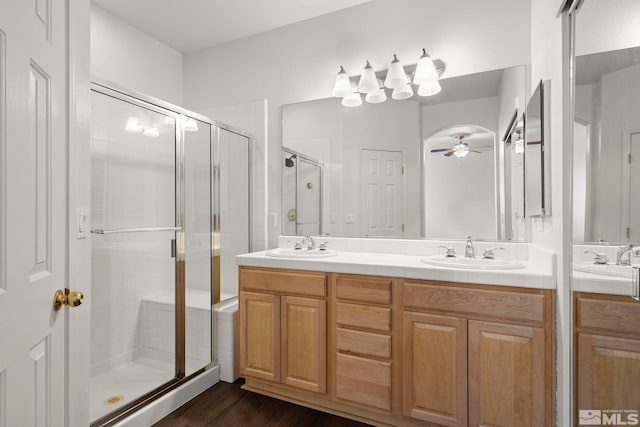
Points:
x=304, y=343
x=260, y=335
x=506, y=375
x=435, y=368
x=608, y=372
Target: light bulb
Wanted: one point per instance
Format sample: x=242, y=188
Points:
x=190, y=125
x=352, y=100
x=404, y=92
x=429, y=89
x=368, y=81
x=396, y=77
x=342, y=85
x=425, y=70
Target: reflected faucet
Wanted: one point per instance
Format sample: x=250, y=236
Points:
x=309, y=242
x=626, y=250
x=469, y=250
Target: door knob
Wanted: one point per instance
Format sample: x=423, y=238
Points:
x=66, y=297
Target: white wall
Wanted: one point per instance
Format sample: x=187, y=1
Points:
x=124, y=55
x=460, y=194
x=299, y=62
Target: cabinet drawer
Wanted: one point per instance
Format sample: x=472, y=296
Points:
x=365, y=343
x=612, y=315
x=289, y=282
x=377, y=291
x=492, y=303
x=363, y=316
x=364, y=381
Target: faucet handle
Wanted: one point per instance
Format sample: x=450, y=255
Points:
x=297, y=246
x=451, y=252
x=490, y=253
x=323, y=246
x=601, y=257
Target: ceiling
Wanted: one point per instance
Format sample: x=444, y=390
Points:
x=191, y=25
x=590, y=68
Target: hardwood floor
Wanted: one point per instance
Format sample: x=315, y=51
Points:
x=227, y=405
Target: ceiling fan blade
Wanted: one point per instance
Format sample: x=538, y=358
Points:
x=474, y=151
x=450, y=153
x=439, y=150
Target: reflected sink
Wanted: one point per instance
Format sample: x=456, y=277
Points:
x=300, y=253
x=473, y=263
x=604, y=269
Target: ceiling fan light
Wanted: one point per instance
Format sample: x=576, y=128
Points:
x=376, y=97
x=352, y=100
x=368, y=81
x=404, y=92
x=396, y=76
x=342, y=85
x=425, y=70
x=429, y=89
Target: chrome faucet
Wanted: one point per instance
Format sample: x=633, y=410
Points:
x=627, y=250
x=469, y=250
x=309, y=242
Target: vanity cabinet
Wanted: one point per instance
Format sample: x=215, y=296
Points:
x=402, y=352
x=607, y=360
x=362, y=333
x=475, y=355
x=283, y=328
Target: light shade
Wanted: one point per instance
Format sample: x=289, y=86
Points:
x=152, y=132
x=352, y=100
x=368, y=81
x=133, y=125
x=190, y=125
x=376, y=97
x=425, y=70
x=342, y=85
x=460, y=150
x=405, y=92
x=396, y=77
x=429, y=89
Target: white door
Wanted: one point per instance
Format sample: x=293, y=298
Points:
x=33, y=237
x=382, y=193
x=633, y=227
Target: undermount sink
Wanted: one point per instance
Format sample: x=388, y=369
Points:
x=300, y=253
x=604, y=269
x=473, y=263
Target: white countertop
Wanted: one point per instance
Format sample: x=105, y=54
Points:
x=599, y=284
x=539, y=270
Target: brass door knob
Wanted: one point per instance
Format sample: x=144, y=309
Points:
x=66, y=297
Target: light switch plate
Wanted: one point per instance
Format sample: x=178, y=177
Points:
x=82, y=228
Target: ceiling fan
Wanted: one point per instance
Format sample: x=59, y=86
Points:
x=460, y=148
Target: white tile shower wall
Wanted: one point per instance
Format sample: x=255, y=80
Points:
x=158, y=334
x=227, y=325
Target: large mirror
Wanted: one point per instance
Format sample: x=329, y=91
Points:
x=444, y=166
x=606, y=202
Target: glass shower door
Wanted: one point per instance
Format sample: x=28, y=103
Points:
x=133, y=216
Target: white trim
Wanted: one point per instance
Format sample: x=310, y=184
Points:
x=3, y=161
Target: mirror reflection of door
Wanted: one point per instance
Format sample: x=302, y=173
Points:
x=382, y=190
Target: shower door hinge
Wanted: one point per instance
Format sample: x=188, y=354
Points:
x=174, y=249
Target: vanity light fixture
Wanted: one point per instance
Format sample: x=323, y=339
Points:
x=342, y=85
x=425, y=76
x=368, y=80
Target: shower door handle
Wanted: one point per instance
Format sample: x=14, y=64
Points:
x=174, y=249
x=635, y=283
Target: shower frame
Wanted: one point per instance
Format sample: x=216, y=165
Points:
x=162, y=107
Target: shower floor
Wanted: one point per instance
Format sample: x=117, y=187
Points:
x=130, y=380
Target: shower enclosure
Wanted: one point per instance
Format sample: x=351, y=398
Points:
x=169, y=211
x=302, y=185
